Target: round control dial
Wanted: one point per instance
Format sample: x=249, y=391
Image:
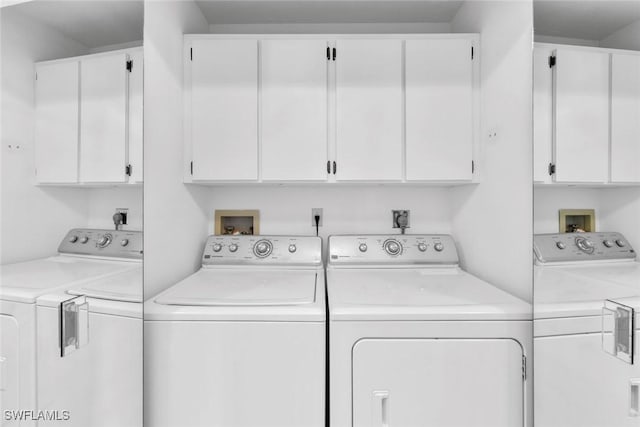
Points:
x=438, y=247
x=124, y=242
x=585, y=245
x=560, y=245
x=621, y=243
x=217, y=247
x=233, y=247
x=84, y=239
x=73, y=239
x=608, y=243
x=262, y=248
x=292, y=248
x=104, y=240
x=422, y=247
x=362, y=247
x=392, y=247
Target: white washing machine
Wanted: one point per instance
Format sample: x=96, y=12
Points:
x=240, y=343
x=417, y=341
x=586, y=331
x=84, y=255
x=99, y=384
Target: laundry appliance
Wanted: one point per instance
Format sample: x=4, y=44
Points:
x=240, y=343
x=586, y=302
x=415, y=340
x=84, y=255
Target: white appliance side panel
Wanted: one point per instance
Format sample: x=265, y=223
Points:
x=439, y=109
x=625, y=118
x=542, y=114
x=369, y=110
x=577, y=384
x=56, y=131
x=103, y=118
x=136, y=116
x=9, y=368
x=438, y=382
x=294, y=109
x=224, y=109
x=241, y=374
x=581, y=86
x=100, y=384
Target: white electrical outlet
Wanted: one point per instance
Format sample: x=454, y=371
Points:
x=314, y=212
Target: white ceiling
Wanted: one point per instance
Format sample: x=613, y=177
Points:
x=332, y=11
x=92, y=23
x=586, y=19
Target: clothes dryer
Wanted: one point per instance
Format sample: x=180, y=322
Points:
x=415, y=340
x=586, y=331
x=84, y=255
x=240, y=343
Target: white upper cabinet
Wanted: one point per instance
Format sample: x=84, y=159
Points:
x=439, y=110
x=625, y=118
x=294, y=110
x=103, y=112
x=89, y=119
x=369, y=110
x=581, y=104
x=224, y=109
x=136, y=116
x=56, y=130
x=542, y=114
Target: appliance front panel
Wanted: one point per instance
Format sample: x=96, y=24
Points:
x=102, y=243
x=571, y=247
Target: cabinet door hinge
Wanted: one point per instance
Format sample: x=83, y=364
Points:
x=129, y=65
x=335, y=53
x=524, y=367
x=128, y=170
x=552, y=168
x=552, y=61
x=191, y=53
x=473, y=166
x=191, y=168
x=471, y=52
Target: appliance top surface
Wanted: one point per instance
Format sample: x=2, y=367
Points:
x=364, y=251
x=25, y=281
x=550, y=249
x=125, y=286
x=419, y=294
x=262, y=250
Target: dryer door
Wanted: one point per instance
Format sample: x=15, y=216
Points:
x=9, y=363
x=438, y=382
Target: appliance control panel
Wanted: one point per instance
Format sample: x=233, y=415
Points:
x=566, y=247
x=99, y=242
x=262, y=250
x=393, y=249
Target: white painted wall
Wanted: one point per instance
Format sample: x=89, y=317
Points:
x=330, y=28
x=492, y=221
x=33, y=219
x=621, y=212
x=548, y=200
x=104, y=201
x=175, y=220
x=626, y=38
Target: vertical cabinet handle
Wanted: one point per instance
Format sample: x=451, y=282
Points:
x=328, y=167
x=634, y=397
x=334, y=168
x=380, y=409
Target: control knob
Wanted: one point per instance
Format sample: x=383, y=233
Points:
x=104, y=240
x=422, y=247
x=124, y=242
x=217, y=247
x=392, y=247
x=560, y=245
x=363, y=247
x=73, y=239
x=262, y=248
x=292, y=248
x=621, y=243
x=585, y=245
x=438, y=247
x=608, y=243
x=233, y=247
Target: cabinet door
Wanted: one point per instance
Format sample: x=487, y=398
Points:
x=136, y=116
x=103, y=118
x=581, y=134
x=625, y=118
x=431, y=382
x=542, y=114
x=224, y=109
x=369, y=110
x=294, y=110
x=56, y=130
x=439, y=110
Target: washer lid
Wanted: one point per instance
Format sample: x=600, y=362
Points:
x=621, y=273
x=120, y=287
x=419, y=294
x=25, y=281
x=246, y=287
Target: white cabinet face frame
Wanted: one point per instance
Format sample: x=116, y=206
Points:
x=332, y=41
x=542, y=114
x=105, y=159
